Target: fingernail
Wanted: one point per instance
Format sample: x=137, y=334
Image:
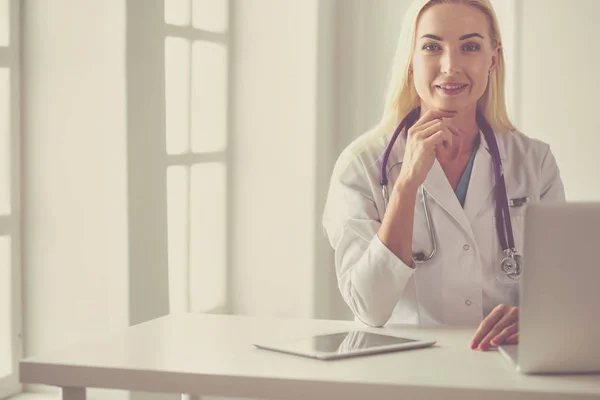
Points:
x=473, y=347
x=494, y=342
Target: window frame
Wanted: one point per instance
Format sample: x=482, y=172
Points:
x=10, y=225
x=189, y=159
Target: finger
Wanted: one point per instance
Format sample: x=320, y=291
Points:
x=513, y=339
x=447, y=138
x=417, y=130
x=487, y=324
x=450, y=124
x=429, y=130
x=512, y=316
x=433, y=114
x=506, y=333
x=441, y=137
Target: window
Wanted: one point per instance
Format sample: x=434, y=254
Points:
x=196, y=93
x=10, y=218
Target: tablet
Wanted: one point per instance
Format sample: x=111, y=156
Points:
x=345, y=344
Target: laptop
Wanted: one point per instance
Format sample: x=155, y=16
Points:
x=559, y=328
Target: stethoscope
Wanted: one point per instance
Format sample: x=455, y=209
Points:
x=511, y=262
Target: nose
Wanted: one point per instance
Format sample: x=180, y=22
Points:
x=450, y=63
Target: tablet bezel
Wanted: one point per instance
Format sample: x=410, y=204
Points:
x=294, y=347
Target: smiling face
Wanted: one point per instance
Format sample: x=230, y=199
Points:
x=453, y=57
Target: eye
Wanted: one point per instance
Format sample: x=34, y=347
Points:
x=431, y=47
x=470, y=47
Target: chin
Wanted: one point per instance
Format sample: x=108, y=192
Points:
x=451, y=104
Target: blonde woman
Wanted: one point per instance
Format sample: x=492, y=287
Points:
x=425, y=211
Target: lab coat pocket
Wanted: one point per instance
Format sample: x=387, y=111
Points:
x=518, y=227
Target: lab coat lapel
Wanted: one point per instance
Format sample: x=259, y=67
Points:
x=438, y=187
x=482, y=182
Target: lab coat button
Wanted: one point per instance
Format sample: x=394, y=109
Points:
x=466, y=247
x=468, y=302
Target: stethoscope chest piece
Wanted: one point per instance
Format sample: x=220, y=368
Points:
x=511, y=264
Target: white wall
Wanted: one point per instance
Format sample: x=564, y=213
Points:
x=274, y=151
x=94, y=202
x=74, y=129
x=367, y=34
x=559, y=92
x=75, y=246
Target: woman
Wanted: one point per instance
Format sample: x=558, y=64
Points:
x=447, y=88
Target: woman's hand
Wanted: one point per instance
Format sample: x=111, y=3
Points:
x=428, y=134
x=499, y=327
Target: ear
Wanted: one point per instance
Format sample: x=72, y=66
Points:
x=495, y=59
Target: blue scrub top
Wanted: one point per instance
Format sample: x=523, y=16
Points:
x=463, y=183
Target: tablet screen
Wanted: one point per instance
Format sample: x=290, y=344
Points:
x=350, y=341
x=344, y=344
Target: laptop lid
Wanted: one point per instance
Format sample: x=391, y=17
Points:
x=560, y=289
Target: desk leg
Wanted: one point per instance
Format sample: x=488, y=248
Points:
x=72, y=393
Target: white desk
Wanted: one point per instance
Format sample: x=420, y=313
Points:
x=212, y=355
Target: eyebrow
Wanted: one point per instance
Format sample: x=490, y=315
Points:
x=464, y=37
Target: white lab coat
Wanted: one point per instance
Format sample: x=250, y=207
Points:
x=463, y=282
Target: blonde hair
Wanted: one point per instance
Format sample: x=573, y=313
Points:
x=402, y=96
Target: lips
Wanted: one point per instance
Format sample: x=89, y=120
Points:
x=452, y=86
x=451, y=89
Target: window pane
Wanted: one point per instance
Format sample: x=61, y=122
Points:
x=5, y=307
x=211, y=15
x=5, y=188
x=178, y=238
x=208, y=269
x=177, y=93
x=177, y=12
x=209, y=97
x=4, y=23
